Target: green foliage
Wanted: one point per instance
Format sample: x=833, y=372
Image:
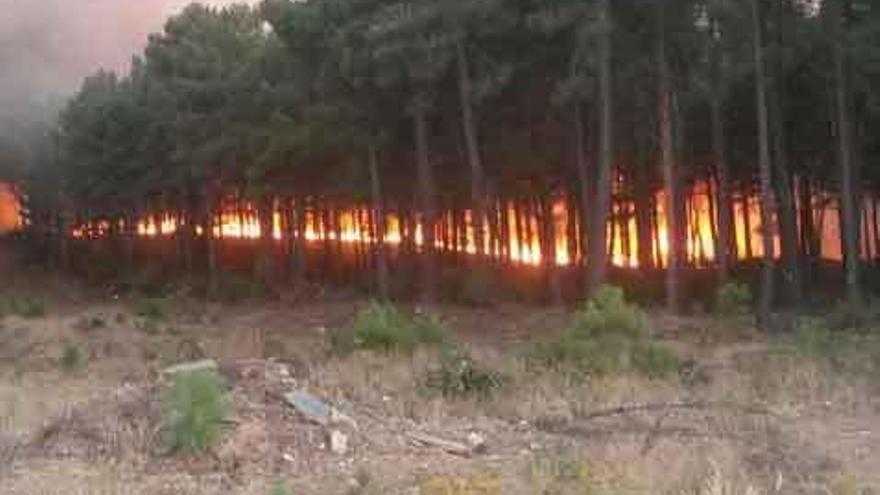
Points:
x=460, y=376
x=607, y=336
x=733, y=299
x=25, y=307
x=150, y=313
x=195, y=408
x=383, y=327
x=149, y=308
x=565, y=473
x=71, y=358
x=844, y=351
x=279, y=488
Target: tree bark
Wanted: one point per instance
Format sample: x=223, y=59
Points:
x=427, y=192
x=724, y=247
x=478, y=197
x=667, y=165
x=597, y=262
x=765, y=192
x=848, y=200
x=380, y=253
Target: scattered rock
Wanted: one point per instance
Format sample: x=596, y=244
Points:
x=477, y=442
x=311, y=407
x=192, y=366
x=316, y=410
x=338, y=442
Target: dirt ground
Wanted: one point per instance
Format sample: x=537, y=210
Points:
x=741, y=420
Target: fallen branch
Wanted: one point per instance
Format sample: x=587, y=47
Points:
x=668, y=406
x=451, y=447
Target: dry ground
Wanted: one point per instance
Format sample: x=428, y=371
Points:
x=743, y=420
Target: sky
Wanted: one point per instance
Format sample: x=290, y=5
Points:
x=47, y=47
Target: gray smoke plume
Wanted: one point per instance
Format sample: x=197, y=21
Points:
x=48, y=46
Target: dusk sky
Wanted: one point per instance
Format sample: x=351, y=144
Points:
x=48, y=46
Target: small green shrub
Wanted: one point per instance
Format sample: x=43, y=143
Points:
x=460, y=376
x=383, y=327
x=733, y=299
x=25, y=307
x=607, y=336
x=656, y=361
x=195, y=410
x=843, y=350
x=149, y=309
x=279, y=488
x=71, y=358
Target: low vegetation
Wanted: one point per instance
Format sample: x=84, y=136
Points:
x=733, y=299
x=71, y=358
x=607, y=336
x=460, y=376
x=383, y=327
x=24, y=307
x=195, y=410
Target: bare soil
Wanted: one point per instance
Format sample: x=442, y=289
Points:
x=750, y=423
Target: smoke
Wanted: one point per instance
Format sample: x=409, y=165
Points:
x=47, y=47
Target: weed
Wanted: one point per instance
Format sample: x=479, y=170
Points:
x=149, y=309
x=846, y=351
x=71, y=358
x=478, y=484
x=733, y=299
x=87, y=324
x=279, y=488
x=25, y=307
x=150, y=314
x=383, y=327
x=460, y=376
x=195, y=409
x=607, y=336
x=656, y=361
x=365, y=484
x=565, y=474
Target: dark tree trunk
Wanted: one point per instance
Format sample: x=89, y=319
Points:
x=667, y=165
x=427, y=193
x=548, y=247
x=598, y=258
x=724, y=246
x=787, y=208
x=843, y=114
x=380, y=253
x=478, y=197
x=764, y=165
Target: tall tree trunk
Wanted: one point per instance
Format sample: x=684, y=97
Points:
x=784, y=186
x=548, y=247
x=478, y=197
x=265, y=258
x=724, y=247
x=380, y=253
x=597, y=262
x=848, y=199
x=765, y=192
x=428, y=204
x=667, y=165
x=583, y=174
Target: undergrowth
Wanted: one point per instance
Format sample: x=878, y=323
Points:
x=25, y=307
x=383, y=327
x=607, y=336
x=460, y=376
x=195, y=410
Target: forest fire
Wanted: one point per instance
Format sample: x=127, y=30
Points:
x=240, y=220
x=10, y=209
